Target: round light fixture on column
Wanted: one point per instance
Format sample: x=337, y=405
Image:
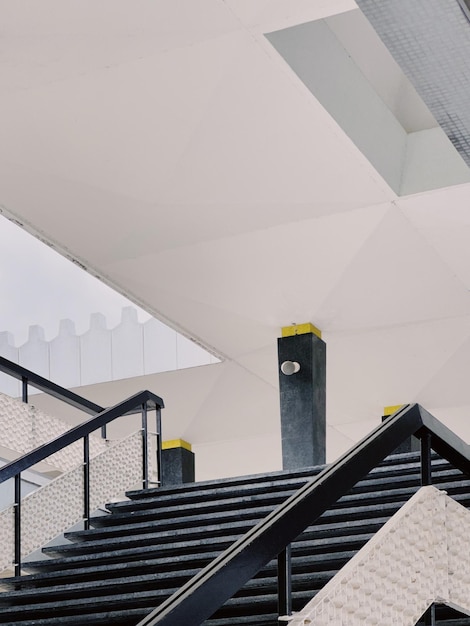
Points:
x=290, y=367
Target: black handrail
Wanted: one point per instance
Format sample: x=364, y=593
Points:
x=206, y=592
x=130, y=405
x=139, y=402
x=43, y=384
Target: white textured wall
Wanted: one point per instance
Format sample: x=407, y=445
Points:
x=418, y=557
x=24, y=427
x=101, y=354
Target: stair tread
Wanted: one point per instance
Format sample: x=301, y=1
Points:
x=113, y=570
x=198, y=491
x=168, y=535
x=138, y=521
x=326, y=530
x=143, y=582
x=147, y=546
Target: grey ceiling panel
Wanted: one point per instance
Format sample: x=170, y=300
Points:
x=430, y=39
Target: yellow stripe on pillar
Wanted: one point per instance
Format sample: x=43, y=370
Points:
x=300, y=329
x=176, y=443
x=390, y=410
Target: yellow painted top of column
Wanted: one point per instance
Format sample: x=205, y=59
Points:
x=390, y=410
x=300, y=329
x=176, y=443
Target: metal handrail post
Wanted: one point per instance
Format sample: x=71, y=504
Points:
x=284, y=582
x=426, y=469
x=24, y=389
x=158, y=436
x=13, y=469
x=17, y=524
x=145, y=448
x=430, y=616
x=86, y=482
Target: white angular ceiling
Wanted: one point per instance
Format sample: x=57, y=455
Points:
x=171, y=150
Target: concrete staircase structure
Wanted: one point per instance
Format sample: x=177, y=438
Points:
x=148, y=546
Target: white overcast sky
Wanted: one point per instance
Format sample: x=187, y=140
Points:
x=39, y=286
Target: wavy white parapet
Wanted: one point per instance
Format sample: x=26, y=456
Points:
x=420, y=556
x=55, y=507
x=132, y=348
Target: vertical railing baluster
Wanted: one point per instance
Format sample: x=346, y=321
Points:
x=426, y=479
x=158, y=430
x=426, y=469
x=284, y=582
x=24, y=389
x=430, y=616
x=86, y=482
x=17, y=524
x=145, y=448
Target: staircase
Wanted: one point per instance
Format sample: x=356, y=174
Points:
x=148, y=546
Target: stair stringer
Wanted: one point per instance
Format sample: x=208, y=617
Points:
x=420, y=556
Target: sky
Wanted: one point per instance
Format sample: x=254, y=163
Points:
x=39, y=286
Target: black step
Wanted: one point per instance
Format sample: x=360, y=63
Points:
x=134, y=557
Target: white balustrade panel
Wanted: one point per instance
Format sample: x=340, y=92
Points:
x=24, y=427
x=458, y=537
x=57, y=506
x=7, y=538
x=418, y=557
x=51, y=509
x=116, y=471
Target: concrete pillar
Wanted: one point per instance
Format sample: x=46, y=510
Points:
x=302, y=386
x=177, y=463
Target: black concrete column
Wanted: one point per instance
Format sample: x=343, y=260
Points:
x=302, y=396
x=177, y=463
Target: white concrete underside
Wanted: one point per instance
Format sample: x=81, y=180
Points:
x=172, y=150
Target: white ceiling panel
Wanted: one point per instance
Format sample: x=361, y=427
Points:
x=443, y=220
x=111, y=129
x=396, y=278
x=266, y=15
x=168, y=148
x=369, y=370
x=252, y=406
x=54, y=41
x=250, y=148
x=450, y=384
x=291, y=269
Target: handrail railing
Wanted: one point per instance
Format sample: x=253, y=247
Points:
x=139, y=402
x=206, y=592
x=28, y=377
x=133, y=404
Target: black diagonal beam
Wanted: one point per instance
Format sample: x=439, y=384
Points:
x=197, y=600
